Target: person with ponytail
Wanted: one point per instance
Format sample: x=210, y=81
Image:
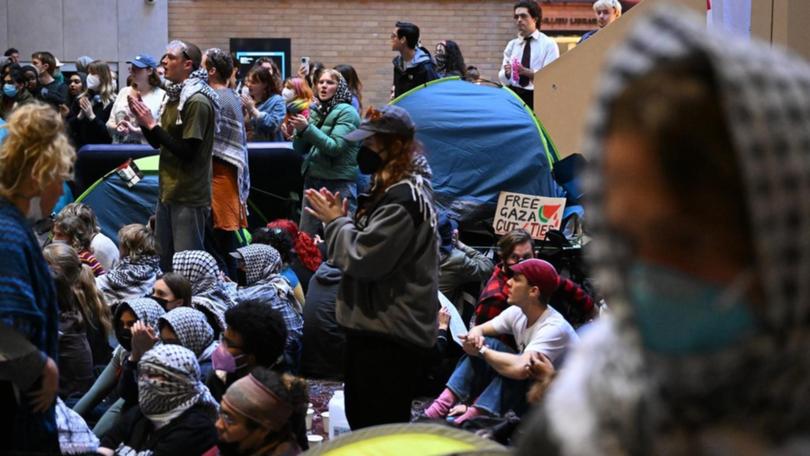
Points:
x=35, y=159
x=389, y=255
x=257, y=415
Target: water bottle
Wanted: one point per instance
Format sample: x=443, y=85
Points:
x=338, y=424
x=515, y=76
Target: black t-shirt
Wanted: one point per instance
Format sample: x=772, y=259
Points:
x=55, y=93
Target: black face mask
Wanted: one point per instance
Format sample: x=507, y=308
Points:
x=124, y=337
x=369, y=161
x=162, y=302
x=228, y=448
x=241, y=277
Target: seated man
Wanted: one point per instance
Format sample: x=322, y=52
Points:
x=459, y=265
x=256, y=415
x=493, y=375
x=254, y=336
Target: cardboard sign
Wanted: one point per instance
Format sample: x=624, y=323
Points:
x=535, y=214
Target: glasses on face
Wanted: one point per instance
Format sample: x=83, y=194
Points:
x=227, y=418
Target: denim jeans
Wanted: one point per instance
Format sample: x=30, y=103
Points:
x=179, y=228
x=347, y=189
x=495, y=394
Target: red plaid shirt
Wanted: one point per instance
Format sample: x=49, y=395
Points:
x=492, y=301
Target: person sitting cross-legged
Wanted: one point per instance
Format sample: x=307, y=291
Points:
x=494, y=377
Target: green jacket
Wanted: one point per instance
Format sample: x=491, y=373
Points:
x=330, y=156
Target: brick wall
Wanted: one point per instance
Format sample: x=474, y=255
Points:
x=350, y=31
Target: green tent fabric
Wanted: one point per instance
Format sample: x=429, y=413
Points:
x=408, y=439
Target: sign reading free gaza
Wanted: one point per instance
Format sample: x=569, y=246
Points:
x=535, y=214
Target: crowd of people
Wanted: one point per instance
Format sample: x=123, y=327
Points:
x=177, y=338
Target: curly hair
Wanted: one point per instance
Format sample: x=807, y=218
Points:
x=35, y=150
x=84, y=212
x=304, y=247
x=262, y=329
x=278, y=238
x=137, y=241
x=80, y=233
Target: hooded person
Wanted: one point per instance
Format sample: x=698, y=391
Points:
x=182, y=326
x=324, y=340
x=188, y=327
x=126, y=314
x=175, y=412
x=201, y=269
x=263, y=282
x=706, y=348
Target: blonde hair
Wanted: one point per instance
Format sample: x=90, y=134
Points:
x=615, y=4
x=335, y=74
x=137, y=241
x=36, y=148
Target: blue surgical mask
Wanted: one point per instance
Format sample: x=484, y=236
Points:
x=678, y=314
x=10, y=90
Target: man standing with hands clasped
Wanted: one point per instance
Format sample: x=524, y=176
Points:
x=185, y=137
x=529, y=52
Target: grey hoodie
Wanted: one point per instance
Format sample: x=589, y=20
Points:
x=609, y=397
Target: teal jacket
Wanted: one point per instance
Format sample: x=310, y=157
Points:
x=329, y=155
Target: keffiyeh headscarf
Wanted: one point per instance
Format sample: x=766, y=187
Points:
x=197, y=82
x=169, y=384
x=342, y=95
x=146, y=309
x=262, y=267
x=615, y=396
x=130, y=278
x=192, y=330
x=200, y=268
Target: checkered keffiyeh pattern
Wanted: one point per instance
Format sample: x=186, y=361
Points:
x=169, y=383
x=74, y=435
x=191, y=328
x=147, y=310
x=261, y=262
x=201, y=269
x=628, y=394
x=230, y=142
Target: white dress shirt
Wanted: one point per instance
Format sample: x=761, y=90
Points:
x=544, y=51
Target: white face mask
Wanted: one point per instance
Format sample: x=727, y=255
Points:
x=93, y=82
x=288, y=94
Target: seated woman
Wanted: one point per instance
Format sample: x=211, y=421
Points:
x=175, y=412
x=84, y=320
x=182, y=326
x=261, y=265
x=139, y=267
x=257, y=415
x=172, y=290
x=103, y=248
x=210, y=293
x=283, y=243
x=73, y=231
x=305, y=257
x=126, y=314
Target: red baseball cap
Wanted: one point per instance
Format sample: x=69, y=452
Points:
x=539, y=273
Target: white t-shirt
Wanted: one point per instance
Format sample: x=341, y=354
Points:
x=550, y=335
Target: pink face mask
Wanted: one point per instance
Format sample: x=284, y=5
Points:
x=223, y=360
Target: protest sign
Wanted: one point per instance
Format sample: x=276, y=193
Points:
x=535, y=214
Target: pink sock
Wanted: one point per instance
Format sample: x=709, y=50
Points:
x=471, y=412
x=441, y=406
